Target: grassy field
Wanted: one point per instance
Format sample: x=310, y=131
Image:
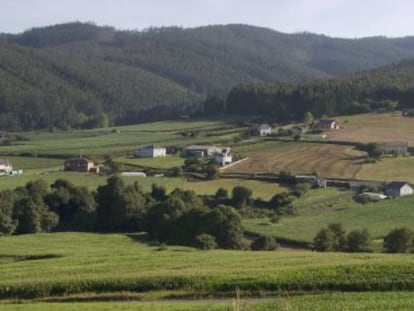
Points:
x=379, y=218
x=162, y=162
x=374, y=127
x=261, y=189
x=303, y=158
x=42, y=265
x=121, y=141
x=321, y=302
x=389, y=169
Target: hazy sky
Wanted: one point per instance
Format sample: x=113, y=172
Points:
x=341, y=18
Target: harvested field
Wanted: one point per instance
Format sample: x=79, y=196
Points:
x=335, y=161
x=374, y=127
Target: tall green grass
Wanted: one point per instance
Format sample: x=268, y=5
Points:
x=76, y=263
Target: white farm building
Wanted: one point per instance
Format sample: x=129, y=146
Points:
x=151, y=151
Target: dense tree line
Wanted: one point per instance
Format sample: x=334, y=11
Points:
x=180, y=217
x=81, y=75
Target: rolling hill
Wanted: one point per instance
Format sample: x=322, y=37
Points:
x=82, y=75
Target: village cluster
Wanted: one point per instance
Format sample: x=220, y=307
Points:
x=222, y=156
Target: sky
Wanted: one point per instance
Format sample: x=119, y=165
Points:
x=337, y=18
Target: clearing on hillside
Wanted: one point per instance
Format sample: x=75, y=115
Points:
x=335, y=161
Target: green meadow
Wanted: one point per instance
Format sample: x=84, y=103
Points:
x=318, y=302
x=379, y=218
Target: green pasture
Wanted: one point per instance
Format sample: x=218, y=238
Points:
x=123, y=140
x=379, y=218
x=320, y=302
x=261, y=189
x=162, y=162
x=56, y=264
x=389, y=169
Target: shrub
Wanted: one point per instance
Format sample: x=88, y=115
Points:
x=264, y=243
x=330, y=239
x=241, y=196
x=205, y=241
x=399, y=240
x=358, y=241
x=222, y=193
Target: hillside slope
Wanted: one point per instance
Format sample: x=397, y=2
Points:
x=78, y=74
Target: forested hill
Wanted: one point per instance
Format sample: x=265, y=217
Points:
x=386, y=88
x=77, y=75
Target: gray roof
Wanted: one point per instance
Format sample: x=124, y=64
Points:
x=326, y=121
x=153, y=146
x=397, y=185
x=265, y=126
x=198, y=147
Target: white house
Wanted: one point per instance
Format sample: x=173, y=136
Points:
x=151, y=151
x=327, y=124
x=5, y=167
x=224, y=157
x=398, y=189
x=264, y=130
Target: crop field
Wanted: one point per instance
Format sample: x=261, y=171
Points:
x=374, y=127
x=379, y=218
x=58, y=264
x=319, y=302
x=304, y=158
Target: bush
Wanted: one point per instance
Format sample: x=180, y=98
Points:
x=282, y=203
x=330, y=239
x=222, y=193
x=264, y=243
x=302, y=188
x=241, y=196
x=205, y=241
x=398, y=240
x=358, y=241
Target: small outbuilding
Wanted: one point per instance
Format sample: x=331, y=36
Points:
x=224, y=157
x=200, y=151
x=80, y=165
x=398, y=189
x=5, y=167
x=151, y=151
x=327, y=124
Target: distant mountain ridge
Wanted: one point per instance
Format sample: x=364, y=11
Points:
x=77, y=74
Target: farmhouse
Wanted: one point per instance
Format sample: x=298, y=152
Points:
x=397, y=147
x=80, y=165
x=224, y=157
x=264, y=129
x=151, y=151
x=5, y=167
x=327, y=124
x=201, y=151
x=398, y=189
